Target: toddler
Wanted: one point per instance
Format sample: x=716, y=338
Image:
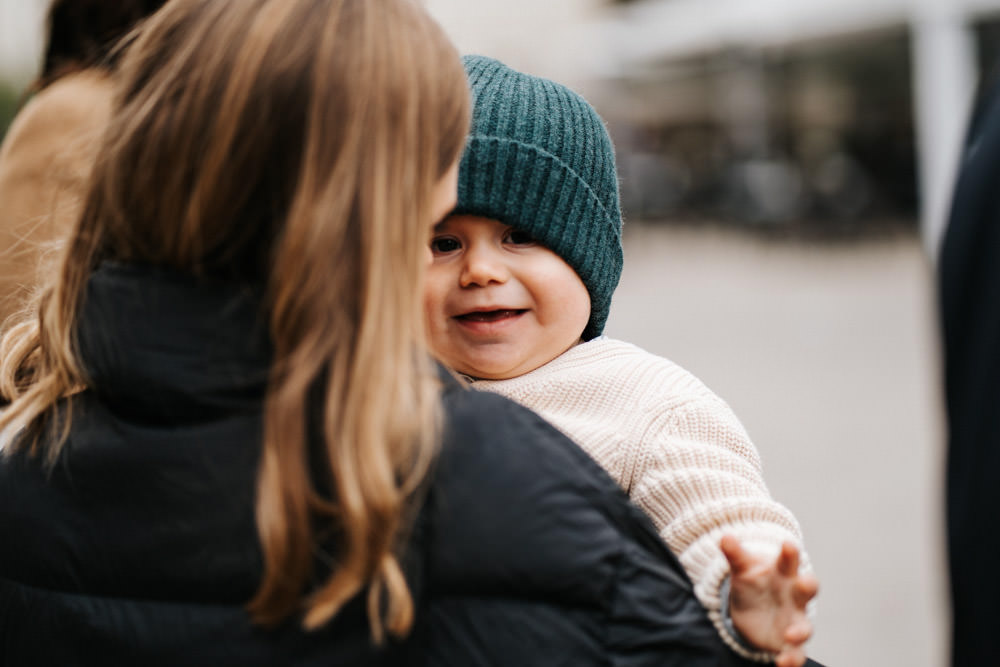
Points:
x=516, y=300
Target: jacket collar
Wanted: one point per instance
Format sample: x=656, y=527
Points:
x=166, y=347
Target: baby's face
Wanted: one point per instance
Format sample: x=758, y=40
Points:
x=498, y=303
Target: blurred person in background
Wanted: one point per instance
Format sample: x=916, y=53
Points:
x=227, y=444
x=969, y=290
x=47, y=154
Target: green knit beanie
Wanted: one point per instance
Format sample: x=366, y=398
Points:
x=540, y=159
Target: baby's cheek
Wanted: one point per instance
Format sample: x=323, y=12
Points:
x=446, y=350
x=437, y=328
x=431, y=298
x=434, y=340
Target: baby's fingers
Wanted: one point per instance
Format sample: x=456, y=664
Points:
x=799, y=633
x=805, y=589
x=792, y=657
x=788, y=560
x=739, y=560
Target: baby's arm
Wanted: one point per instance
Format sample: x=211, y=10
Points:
x=698, y=476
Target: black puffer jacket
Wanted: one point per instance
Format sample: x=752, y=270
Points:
x=140, y=547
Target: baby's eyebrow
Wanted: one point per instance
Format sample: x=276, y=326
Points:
x=444, y=219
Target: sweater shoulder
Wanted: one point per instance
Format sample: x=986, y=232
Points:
x=606, y=370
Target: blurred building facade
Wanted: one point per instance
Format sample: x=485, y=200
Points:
x=764, y=112
x=804, y=108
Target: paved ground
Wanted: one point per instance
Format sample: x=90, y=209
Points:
x=828, y=353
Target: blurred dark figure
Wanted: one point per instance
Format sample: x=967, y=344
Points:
x=970, y=309
x=82, y=34
x=46, y=156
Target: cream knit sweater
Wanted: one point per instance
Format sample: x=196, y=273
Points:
x=675, y=447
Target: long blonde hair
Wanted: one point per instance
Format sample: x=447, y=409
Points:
x=293, y=144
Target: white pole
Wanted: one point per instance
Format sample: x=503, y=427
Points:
x=944, y=78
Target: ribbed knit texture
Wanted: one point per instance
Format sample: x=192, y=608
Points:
x=674, y=446
x=539, y=159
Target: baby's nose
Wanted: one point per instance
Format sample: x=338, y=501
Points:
x=483, y=267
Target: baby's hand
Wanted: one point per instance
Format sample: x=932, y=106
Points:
x=767, y=600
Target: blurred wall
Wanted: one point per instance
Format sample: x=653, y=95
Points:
x=564, y=40
x=21, y=30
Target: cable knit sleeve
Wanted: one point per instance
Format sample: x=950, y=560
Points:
x=696, y=473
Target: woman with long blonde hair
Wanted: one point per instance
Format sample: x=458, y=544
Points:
x=226, y=443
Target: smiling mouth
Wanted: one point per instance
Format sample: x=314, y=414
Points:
x=489, y=315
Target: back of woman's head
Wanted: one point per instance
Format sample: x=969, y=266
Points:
x=81, y=34
x=292, y=144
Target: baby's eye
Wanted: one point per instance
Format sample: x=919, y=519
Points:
x=517, y=237
x=444, y=244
